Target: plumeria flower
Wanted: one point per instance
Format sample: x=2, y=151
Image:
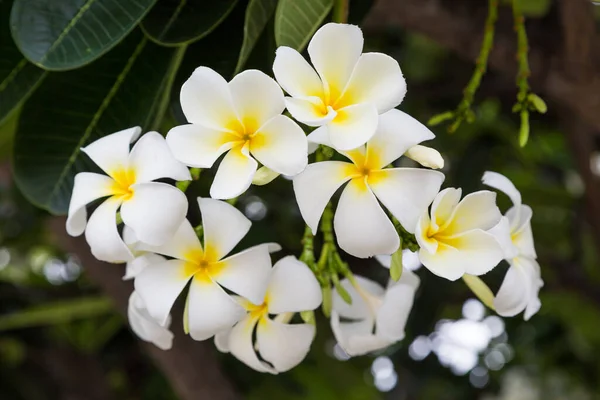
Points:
x=426, y=156
x=146, y=327
x=348, y=89
x=210, y=308
x=455, y=240
x=243, y=118
x=377, y=316
x=129, y=187
x=141, y=258
x=362, y=227
x=292, y=288
x=520, y=289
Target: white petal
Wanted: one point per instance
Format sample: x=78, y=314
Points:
x=292, y=287
x=246, y=273
x=363, y=303
x=502, y=183
x=361, y=226
x=406, y=192
x=256, y=97
x=222, y=341
x=263, y=176
x=443, y=206
x=206, y=100
x=522, y=235
x=234, y=175
x=284, y=345
x=334, y=51
x=183, y=242
x=295, y=75
x=86, y=188
x=154, y=212
x=102, y=235
x=422, y=234
x=111, y=152
x=138, y=264
x=241, y=346
x=281, y=145
x=197, y=146
x=315, y=186
x=502, y=234
x=356, y=338
x=393, y=313
x=426, y=156
x=319, y=136
x=152, y=159
x=476, y=211
x=310, y=111
x=159, y=285
x=145, y=327
x=224, y=226
x=534, y=304
x=396, y=133
x=445, y=262
x=353, y=126
x=514, y=293
x=376, y=79
x=210, y=309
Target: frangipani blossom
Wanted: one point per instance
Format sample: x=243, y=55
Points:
x=455, y=240
x=377, y=316
x=241, y=118
x=362, y=227
x=146, y=327
x=345, y=91
x=129, y=187
x=141, y=258
x=520, y=288
x=292, y=288
x=210, y=308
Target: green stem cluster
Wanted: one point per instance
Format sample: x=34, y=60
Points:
x=464, y=110
x=526, y=100
x=183, y=185
x=340, y=11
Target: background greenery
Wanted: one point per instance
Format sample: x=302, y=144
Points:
x=74, y=70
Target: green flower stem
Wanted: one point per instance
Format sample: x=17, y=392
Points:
x=183, y=185
x=308, y=254
x=199, y=232
x=340, y=11
x=233, y=201
x=480, y=289
x=464, y=111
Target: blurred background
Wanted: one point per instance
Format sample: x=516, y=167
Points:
x=63, y=334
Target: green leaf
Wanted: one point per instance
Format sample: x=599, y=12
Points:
x=125, y=88
x=176, y=22
x=534, y=8
x=258, y=14
x=18, y=77
x=67, y=34
x=297, y=20
x=55, y=313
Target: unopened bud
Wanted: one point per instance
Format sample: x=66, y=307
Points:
x=263, y=176
x=426, y=156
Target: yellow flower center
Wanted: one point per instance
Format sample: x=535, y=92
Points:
x=202, y=264
x=123, y=179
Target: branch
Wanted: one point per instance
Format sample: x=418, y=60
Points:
x=191, y=367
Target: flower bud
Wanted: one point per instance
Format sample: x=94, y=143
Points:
x=426, y=156
x=263, y=176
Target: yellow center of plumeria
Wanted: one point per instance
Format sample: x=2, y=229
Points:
x=123, y=179
x=202, y=264
x=365, y=169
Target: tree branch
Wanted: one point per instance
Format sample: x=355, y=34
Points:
x=191, y=367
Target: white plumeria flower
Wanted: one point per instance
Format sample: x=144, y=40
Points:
x=129, y=187
x=141, y=258
x=292, y=288
x=362, y=227
x=210, y=308
x=455, y=240
x=520, y=289
x=146, y=327
x=243, y=118
x=348, y=89
x=377, y=316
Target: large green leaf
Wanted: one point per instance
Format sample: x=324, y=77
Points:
x=177, y=22
x=66, y=34
x=258, y=14
x=18, y=78
x=297, y=20
x=126, y=87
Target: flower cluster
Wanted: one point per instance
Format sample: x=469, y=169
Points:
x=263, y=313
